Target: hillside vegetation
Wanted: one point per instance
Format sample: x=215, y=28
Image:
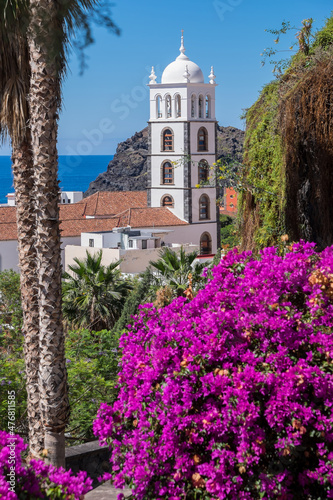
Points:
x=288, y=152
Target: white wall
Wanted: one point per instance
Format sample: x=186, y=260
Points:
x=72, y=251
x=163, y=90
x=133, y=261
x=101, y=240
x=189, y=234
x=70, y=196
x=69, y=240
x=178, y=139
x=11, y=199
x=96, y=237
x=9, y=252
x=9, y=255
x=204, y=90
x=185, y=90
x=196, y=194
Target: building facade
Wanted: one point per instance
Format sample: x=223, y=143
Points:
x=182, y=148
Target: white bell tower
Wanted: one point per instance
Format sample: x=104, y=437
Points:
x=182, y=145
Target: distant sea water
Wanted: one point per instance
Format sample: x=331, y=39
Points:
x=75, y=173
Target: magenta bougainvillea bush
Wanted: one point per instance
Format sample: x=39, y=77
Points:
x=230, y=395
x=37, y=480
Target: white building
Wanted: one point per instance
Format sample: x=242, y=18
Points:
x=173, y=210
x=64, y=198
x=10, y=199
x=124, y=238
x=182, y=148
x=70, y=197
x=134, y=248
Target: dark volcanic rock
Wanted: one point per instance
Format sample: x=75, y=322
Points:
x=230, y=142
x=128, y=169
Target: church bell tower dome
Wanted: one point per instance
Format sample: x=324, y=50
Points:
x=182, y=69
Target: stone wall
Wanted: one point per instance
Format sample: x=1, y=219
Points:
x=89, y=457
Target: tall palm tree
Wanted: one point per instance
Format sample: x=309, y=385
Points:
x=93, y=294
x=47, y=25
x=173, y=270
x=51, y=25
x=14, y=117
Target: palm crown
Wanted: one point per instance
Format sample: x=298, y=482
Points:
x=93, y=294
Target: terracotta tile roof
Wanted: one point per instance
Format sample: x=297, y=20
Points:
x=153, y=217
x=71, y=211
x=75, y=227
x=8, y=231
x=74, y=221
x=112, y=202
x=7, y=214
x=134, y=217
x=8, y=223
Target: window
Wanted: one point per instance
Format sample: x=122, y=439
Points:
x=159, y=106
x=144, y=245
x=178, y=106
x=207, y=106
x=205, y=244
x=68, y=201
x=167, y=141
x=64, y=200
x=200, y=106
x=130, y=243
x=202, y=139
x=91, y=243
x=167, y=173
x=204, y=207
x=167, y=201
x=193, y=106
x=168, y=106
x=203, y=171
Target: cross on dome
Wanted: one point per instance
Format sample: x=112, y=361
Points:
x=182, y=48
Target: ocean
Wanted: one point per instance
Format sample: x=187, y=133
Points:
x=75, y=173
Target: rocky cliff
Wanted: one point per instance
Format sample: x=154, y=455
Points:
x=128, y=169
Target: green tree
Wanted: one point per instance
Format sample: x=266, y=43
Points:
x=14, y=117
x=228, y=231
x=94, y=294
x=10, y=297
x=10, y=310
x=37, y=34
x=304, y=38
x=135, y=298
x=173, y=269
x=92, y=364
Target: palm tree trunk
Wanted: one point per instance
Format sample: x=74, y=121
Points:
x=26, y=234
x=44, y=98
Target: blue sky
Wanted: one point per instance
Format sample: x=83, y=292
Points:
x=109, y=103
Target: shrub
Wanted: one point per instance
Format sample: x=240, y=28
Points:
x=10, y=311
x=134, y=299
x=228, y=231
x=229, y=396
x=38, y=480
x=92, y=366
